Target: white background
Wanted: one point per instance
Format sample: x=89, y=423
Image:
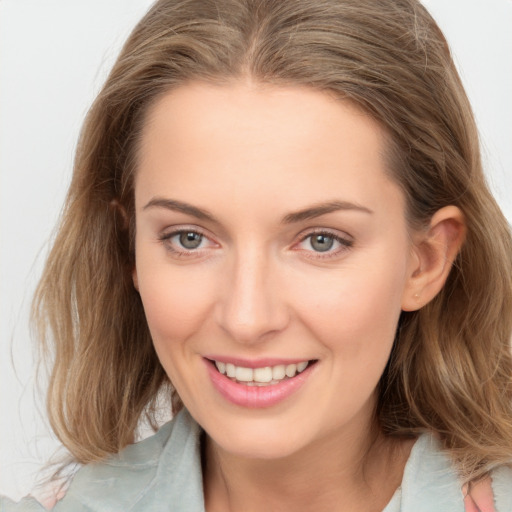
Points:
x=54, y=56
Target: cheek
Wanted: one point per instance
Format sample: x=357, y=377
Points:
x=355, y=310
x=176, y=302
x=373, y=302
x=354, y=318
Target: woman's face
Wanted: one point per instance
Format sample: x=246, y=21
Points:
x=269, y=237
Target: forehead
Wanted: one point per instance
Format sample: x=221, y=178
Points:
x=254, y=112
x=293, y=144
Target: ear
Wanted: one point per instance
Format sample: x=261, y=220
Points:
x=434, y=252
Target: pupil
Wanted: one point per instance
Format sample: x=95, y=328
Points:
x=190, y=240
x=322, y=243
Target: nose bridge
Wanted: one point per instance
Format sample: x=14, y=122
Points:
x=251, y=307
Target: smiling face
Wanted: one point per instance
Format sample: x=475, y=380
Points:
x=269, y=237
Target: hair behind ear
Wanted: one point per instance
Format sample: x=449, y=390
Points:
x=450, y=370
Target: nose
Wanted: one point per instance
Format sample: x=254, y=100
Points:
x=252, y=307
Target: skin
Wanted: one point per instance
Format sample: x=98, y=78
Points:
x=250, y=156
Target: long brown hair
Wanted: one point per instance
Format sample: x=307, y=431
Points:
x=450, y=370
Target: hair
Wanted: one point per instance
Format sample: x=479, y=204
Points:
x=450, y=368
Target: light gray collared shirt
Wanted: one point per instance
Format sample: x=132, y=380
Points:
x=163, y=473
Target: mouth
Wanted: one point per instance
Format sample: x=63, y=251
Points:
x=261, y=376
x=258, y=384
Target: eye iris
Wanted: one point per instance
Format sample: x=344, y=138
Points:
x=322, y=243
x=190, y=240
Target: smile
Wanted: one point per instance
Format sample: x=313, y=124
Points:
x=260, y=386
x=267, y=375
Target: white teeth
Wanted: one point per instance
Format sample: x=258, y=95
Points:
x=291, y=370
x=302, y=366
x=220, y=366
x=263, y=374
x=278, y=372
x=260, y=376
x=230, y=370
x=244, y=374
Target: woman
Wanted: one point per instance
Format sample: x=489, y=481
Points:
x=278, y=218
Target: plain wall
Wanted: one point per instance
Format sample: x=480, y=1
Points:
x=54, y=56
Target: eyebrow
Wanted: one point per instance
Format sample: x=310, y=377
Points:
x=179, y=206
x=305, y=214
x=322, y=209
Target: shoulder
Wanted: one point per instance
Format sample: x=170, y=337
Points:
x=130, y=480
x=501, y=479
x=121, y=476
x=25, y=505
x=124, y=474
x=430, y=481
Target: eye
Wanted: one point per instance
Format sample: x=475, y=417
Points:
x=189, y=239
x=321, y=242
x=186, y=242
x=324, y=243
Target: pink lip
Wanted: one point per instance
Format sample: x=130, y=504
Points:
x=253, y=363
x=255, y=397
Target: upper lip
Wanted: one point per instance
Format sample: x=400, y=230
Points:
x=256, y=363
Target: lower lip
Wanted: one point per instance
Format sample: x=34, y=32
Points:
x=255, y=397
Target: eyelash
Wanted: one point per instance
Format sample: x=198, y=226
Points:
x=166, y=238
x=344, y=243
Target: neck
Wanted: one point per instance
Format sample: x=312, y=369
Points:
x=340, y=472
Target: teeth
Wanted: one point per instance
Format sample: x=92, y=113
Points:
x=302, y=366
x=260, y=376
x=220, y=366
x=244, y=374
x=291, y=370
x=279, y=372
x=230, y=370
x=263, y=374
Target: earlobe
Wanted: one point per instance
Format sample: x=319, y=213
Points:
x=435, y=251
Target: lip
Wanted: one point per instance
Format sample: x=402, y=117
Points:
x=256, y=397
x=254, y=363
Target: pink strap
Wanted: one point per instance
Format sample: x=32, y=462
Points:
x=479, y=496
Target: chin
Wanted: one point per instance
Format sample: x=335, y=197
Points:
x=265, y=439
x=263, y=448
